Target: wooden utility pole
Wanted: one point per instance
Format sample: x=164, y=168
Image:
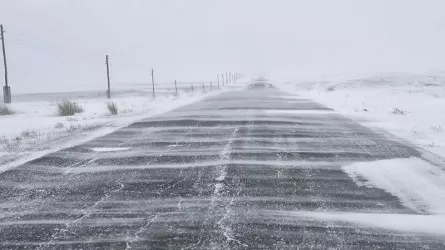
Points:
x=176, y=88
x=153, y=82
x=108, y=77
x=6, y=88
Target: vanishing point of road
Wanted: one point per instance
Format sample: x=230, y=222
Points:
x=234, y=171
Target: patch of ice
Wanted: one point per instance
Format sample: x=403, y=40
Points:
x=418, y=184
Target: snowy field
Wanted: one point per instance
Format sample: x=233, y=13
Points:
x=35, y=129
x=408, y=108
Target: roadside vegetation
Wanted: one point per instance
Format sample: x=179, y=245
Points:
x=5, y=110
x=112, y=107
x=398, y=111
x=68, y=108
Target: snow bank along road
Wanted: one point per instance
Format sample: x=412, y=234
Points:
x=237, y=170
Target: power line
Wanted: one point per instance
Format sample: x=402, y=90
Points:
x=48, y=43
x=28, y=37
x=48, y=46
x=55, y=52
x=13, y=40
x=24, y=40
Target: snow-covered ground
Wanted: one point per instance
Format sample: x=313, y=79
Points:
x=411, y=223
x=411, y=107
x=35, y=129
x=418, y=184
x=408, y=106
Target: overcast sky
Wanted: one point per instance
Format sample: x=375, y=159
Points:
x=61, y=44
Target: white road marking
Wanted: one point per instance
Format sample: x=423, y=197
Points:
x=109, y=149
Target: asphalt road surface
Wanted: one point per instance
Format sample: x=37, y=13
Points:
x=223, y=173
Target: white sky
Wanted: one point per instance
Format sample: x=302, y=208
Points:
x=60, y=44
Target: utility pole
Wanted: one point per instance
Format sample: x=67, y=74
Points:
x=153, y=82
x=6, y=88
x=217, y=76
x=108, y=77
x=176, y=88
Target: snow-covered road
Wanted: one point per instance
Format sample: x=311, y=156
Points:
x=243, y=169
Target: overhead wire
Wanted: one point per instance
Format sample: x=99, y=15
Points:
x=50, y=47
